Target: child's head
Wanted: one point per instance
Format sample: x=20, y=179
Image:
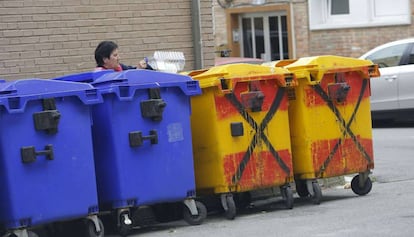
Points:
x=106, y=55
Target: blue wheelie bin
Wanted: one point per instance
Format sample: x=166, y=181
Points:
x=47, y=169
x=143, y=144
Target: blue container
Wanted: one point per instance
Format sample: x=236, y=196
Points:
x=142, y=138
x=83, y=76
x=46, y=155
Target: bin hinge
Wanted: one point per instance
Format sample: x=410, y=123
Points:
x=29, y=153
x=153, y=108
x=48, y=119
x=136, y=138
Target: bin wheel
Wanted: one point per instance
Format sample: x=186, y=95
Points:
x=29, y=234
x=230, y=213
x=317, y=193
x=33, y=234
x=91, y=230
x=123, y=229
x=287, y=195
x=301, y=188
x=361, y=190
x=195, y=219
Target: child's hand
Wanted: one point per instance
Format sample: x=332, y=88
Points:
x=142, y=64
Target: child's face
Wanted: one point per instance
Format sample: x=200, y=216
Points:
x=113, y=61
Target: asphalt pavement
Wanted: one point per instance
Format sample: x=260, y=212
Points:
x=386, y=211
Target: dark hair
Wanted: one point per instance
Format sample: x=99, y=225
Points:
x=104, y=50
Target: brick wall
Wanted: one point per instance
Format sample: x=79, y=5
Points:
x=220, y=33
x=207, y=35
x=48, y=38
x=301, y=28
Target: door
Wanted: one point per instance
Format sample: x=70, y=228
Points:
x=406, y=81
x=264, y=35
x=384, y=89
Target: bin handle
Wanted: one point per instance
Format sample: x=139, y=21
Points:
x=136, y=138
x=29, y=153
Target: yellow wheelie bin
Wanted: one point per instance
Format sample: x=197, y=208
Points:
x=240, y=129
x=330, y=122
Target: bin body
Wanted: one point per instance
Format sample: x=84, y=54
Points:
x=46, y=169
x=133, y=170
x=240, y=129
x=330, y=118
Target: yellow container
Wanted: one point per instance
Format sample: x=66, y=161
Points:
x=330, y=118
x=240, y=128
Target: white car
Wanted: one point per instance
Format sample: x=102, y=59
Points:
x=392, y=94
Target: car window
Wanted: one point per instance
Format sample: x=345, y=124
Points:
x=388, y=57
x=411, y=56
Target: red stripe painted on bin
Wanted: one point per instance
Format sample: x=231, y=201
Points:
x=353, y=79
x=347, y=159
x=261, y=171
x=269, y=88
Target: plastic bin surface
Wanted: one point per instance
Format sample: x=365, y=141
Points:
x=240, y=128
x=142, y=138
x=83, y=76
x=46, y=154
x=330, y=119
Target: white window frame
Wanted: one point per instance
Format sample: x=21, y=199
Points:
x=363, y=13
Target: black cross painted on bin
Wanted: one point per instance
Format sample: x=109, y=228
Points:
x=345, y=124
x=259, y=132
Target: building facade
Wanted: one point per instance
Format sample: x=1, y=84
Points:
x=49, y=38
x=281, y=29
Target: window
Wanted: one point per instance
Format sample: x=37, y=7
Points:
x=278, y=37
x=388, y=57
x=247, y=38
x=333, y=14
x=411, y=57
x=339, y=7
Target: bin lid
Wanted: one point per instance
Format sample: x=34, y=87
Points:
x=239, y=71
x=25, y=90
x=279, y=63
x=83, y=76
x=317, y=66
x=194, y=72
x=143, y=79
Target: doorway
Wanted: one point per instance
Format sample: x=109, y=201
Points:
x=264, y=35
